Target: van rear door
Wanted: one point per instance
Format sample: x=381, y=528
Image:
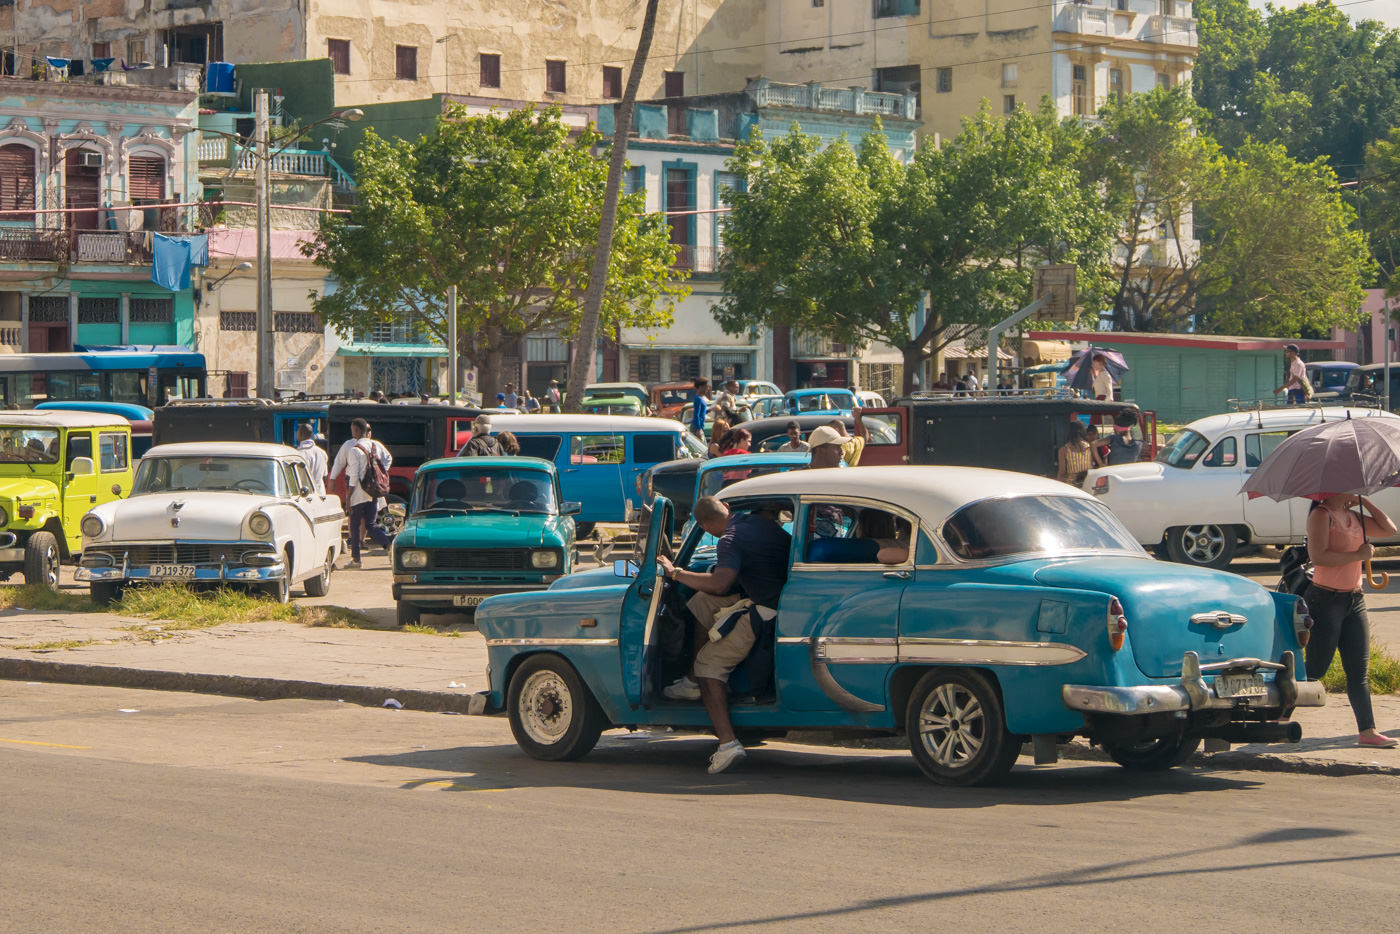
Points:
x=889, y=435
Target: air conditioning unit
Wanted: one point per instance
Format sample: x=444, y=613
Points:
x=90, y=160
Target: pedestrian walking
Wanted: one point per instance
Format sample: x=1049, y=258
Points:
x=552, y=398
x=510, y=445
x=794, y=443
x=699, y=406
x=353, y=460
x=511, y=397
x=1075, y=456
x=1337, y=546
x=1296, y=383
x=481, y=443
x=315, y=458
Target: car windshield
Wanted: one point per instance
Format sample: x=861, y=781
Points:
x=997, y=528
x=717, y=478
x=1183, y=449
x=692, y=446
x=238, y=474
x=485, y=489
x=671, y=397
x=825, y=402
x=28, y=445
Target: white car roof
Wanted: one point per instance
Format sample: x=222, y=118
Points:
x=60, y=418
x=1281, y=418
x=581, y=424
x=932, y=493
x=222, y=449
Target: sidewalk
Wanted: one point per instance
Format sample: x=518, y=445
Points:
x=421, y=671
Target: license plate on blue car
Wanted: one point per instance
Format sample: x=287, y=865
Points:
x=1240, y=685
x=472, y=599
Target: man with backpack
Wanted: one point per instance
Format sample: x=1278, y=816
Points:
x=365, y=463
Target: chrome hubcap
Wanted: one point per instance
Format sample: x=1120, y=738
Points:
x=546, y=707
x=1203, y=543
x=51, y=567
x=952, y=726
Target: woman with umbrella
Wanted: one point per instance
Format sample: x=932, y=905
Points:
x=1094, y=371
x=1356, y=456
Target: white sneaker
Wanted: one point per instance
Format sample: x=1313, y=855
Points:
x=682, y=689
x=726, y=755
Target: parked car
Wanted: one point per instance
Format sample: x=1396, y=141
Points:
x=1187, y=503
x=821, y=402
x=1012, y=432
x=54, y=466
x=668, y=399
x=767, y=406
x=612, y=405
x=682, y=482
x=140, y=418
x=1023, y=611
x=758, y=388
x=479, y=526
x=228, y=513
x=237, y=420
x=1329, y=375
x=868, y=400
x=1365, y=386
x=635, y=390
x=600, y=456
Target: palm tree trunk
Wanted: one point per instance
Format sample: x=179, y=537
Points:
x=585, y=343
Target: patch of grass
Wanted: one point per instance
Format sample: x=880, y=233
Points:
x=1384, y=674
x=181, y=608
x=50, y=646
x=420, y=628
x=338, y=617
x=39, y=597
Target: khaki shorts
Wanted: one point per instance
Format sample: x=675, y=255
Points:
x=716, y=659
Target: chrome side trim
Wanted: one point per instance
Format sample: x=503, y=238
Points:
x=987, y=652
x=842, y=697
x=1193, y=693
x=816, y=567
x=842, y=650
x=554, y=642
x=1220, y=619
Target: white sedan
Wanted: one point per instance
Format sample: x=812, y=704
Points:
x=222, y=513
x=1187, y=503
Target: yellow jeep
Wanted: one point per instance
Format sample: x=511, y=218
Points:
x=54, y=467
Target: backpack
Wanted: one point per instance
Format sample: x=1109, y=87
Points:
x=1296, y=570
x=375, y=480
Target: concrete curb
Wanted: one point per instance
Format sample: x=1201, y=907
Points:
x=24, y=669
x=1249, y=762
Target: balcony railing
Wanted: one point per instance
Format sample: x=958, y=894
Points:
x=814, y=96
x=10, y=335
x=220, y=151
x=696, y=258
x=1172, y=30
x=810, y=345
x=75, y=246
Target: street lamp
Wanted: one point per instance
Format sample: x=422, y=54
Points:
x=241, y=267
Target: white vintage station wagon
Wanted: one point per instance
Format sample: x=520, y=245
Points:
x=224, y=513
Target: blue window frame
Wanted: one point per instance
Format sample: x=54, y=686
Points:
x=678, y=194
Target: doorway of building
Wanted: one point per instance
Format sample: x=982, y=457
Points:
x=82, y=188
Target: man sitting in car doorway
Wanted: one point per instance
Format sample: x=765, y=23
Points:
x=750, y=569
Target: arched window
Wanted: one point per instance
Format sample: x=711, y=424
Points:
x=146, y=179
x=17, y=182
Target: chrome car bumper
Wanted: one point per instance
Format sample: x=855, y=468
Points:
x=1194, y=693
x=212, y=574
x=444, y=594
x=256, y=566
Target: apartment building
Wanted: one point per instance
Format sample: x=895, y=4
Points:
x=575, y=52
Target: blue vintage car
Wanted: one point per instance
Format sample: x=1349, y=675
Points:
x=1023, y=612
x=479, y=526
x=821, y=402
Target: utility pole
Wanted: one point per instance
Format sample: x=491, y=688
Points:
x=266, y=385
x=452, y=344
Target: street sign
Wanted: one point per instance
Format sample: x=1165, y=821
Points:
x=1059, y=283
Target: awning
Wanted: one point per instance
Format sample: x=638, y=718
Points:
x=391, y=350
x=1045, y=351
x=957, y=350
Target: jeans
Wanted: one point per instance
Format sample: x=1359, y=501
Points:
x=1340, y=624
x=1297, y=397
x=361, y=522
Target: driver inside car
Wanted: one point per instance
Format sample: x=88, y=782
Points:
x=751, y=564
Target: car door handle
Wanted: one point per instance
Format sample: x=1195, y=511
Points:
x=898, y=575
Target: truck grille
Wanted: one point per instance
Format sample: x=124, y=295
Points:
x=480, y=559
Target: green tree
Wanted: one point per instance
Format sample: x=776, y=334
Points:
x=1378, y=197
x=844, y=243
x=506, y=207
x=1280, y=252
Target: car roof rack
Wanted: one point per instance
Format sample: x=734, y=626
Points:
x=210, y=400
x=1354, y=401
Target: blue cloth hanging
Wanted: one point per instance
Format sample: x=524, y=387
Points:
x=102, y=64
x=170, y=263
x=199, y=247
x=57, y=62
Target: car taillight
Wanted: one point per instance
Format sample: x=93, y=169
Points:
x=1117, y=624
x=1302, y=622
x=1100, y=485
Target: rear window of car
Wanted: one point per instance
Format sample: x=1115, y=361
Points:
x=541, y=446
x=1049, y=525
x=653, y=448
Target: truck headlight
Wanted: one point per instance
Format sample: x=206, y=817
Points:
x=91, y=526
x=413, y=559
x=259, y=523
x=544, y=560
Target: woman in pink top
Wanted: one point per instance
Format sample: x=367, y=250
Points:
x=1337, y=546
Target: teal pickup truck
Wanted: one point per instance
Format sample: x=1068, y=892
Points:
x=479, y=526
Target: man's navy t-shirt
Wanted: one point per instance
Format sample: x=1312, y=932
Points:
x=756, y=548
x=699, y=405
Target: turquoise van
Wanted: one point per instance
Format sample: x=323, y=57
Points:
x=599, y=457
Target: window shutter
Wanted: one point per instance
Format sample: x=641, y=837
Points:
x=16, y=179
x=146, y=179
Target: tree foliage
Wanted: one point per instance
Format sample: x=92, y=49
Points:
x=845, y=243
x=1379, y=198
x=506, y=207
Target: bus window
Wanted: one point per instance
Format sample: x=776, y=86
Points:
x=74, y=386
x=128, y=387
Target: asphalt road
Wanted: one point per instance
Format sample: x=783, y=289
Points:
x=142, y=811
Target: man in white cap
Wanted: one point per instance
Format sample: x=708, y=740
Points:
x=481, y=443
x=845, y=450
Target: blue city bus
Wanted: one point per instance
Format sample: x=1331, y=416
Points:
x=149, y=376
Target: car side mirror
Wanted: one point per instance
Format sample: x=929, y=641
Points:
x=624, y=568
x=570, y=509
x=305, y=492
x=80, y=467
x=116, y=489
